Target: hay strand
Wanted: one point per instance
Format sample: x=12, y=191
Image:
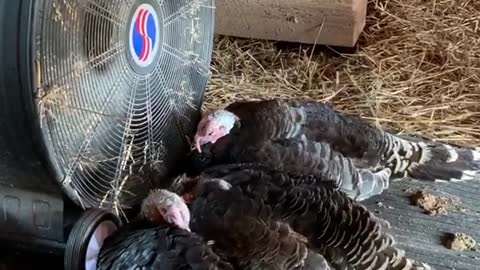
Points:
x=416, y=70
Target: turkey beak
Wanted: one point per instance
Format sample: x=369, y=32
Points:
x=180, y=216
x=197, y=144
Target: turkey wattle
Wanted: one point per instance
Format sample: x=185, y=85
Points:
x=258, y=216
x=309, y=137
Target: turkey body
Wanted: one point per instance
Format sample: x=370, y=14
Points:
x=164, y=247
x=267, y=219
x=245, y=231
x=308, y=137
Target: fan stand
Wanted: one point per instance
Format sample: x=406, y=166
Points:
x=35, y=215
x=34, y=207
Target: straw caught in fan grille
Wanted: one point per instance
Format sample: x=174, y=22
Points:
x=104, y=123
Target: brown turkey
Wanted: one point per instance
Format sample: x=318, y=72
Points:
x=262, y=218
x=244, y=233
x=308, y=137
x=161, y=241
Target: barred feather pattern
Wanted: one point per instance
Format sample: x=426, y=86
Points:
x=309, y=137
x=157, y=247
x=355, y=138
x=343, y=231
x=276, y=135
x=428, y=160
x=244, y=231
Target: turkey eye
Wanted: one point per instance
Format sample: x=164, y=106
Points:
x=163, y=211
x=210, y=133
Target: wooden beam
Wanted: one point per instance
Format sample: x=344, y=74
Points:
x=327, y=22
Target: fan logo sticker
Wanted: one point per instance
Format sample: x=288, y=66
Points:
x=144, y=35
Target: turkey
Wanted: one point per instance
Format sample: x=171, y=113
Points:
x=263, y=218
x=244, y=230
x=240, y=231
x=159, y=239
x=251, y=241
x=308, y=137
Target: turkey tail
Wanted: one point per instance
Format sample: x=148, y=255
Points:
x=356, y=138
x=395, y=259
x=389, y=259
x=345, y=232
x=428, y=160
x=381, y=252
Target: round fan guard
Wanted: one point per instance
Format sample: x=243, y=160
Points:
x=118, y=87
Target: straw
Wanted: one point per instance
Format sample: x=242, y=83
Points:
x=416, y=69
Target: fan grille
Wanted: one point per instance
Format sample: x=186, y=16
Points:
x=107, y=121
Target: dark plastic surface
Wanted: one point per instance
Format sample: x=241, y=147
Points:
x=32, y=206
x=15, y=81
x=35, y=215
x=12, y=260
x=31, y=220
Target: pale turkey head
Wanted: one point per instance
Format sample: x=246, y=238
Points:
x=165, y=206
x=214, y=126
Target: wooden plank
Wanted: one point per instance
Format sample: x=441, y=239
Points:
x=326, y=22
x=423, y=236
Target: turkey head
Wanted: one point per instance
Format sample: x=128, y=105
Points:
x=214, y=126
x=162, y=206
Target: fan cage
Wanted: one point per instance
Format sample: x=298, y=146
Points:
x=95, y=168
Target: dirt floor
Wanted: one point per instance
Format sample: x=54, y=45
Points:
x=444, y=241
x=416, y=69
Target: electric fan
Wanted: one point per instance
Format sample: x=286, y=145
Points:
x=101, y=96
x=119, y=86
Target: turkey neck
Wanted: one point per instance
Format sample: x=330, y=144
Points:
x=224, y=150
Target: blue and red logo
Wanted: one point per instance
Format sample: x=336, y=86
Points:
x=144, y=35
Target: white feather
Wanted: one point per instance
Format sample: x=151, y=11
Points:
x=452, y=153
x=221, y=183
x=470, y=175
x=398, y=164
x=404, y=166
x=408, y=148
x=476, y=154
x=426, y=154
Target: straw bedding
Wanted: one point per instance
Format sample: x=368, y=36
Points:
x=416, y=69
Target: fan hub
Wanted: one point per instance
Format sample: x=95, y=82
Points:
x=144, y=37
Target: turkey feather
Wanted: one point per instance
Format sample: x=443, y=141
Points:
x=157, y=247
x=308, y=137
x=344, y=232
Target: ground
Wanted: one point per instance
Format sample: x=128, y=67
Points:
x=425, y=237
